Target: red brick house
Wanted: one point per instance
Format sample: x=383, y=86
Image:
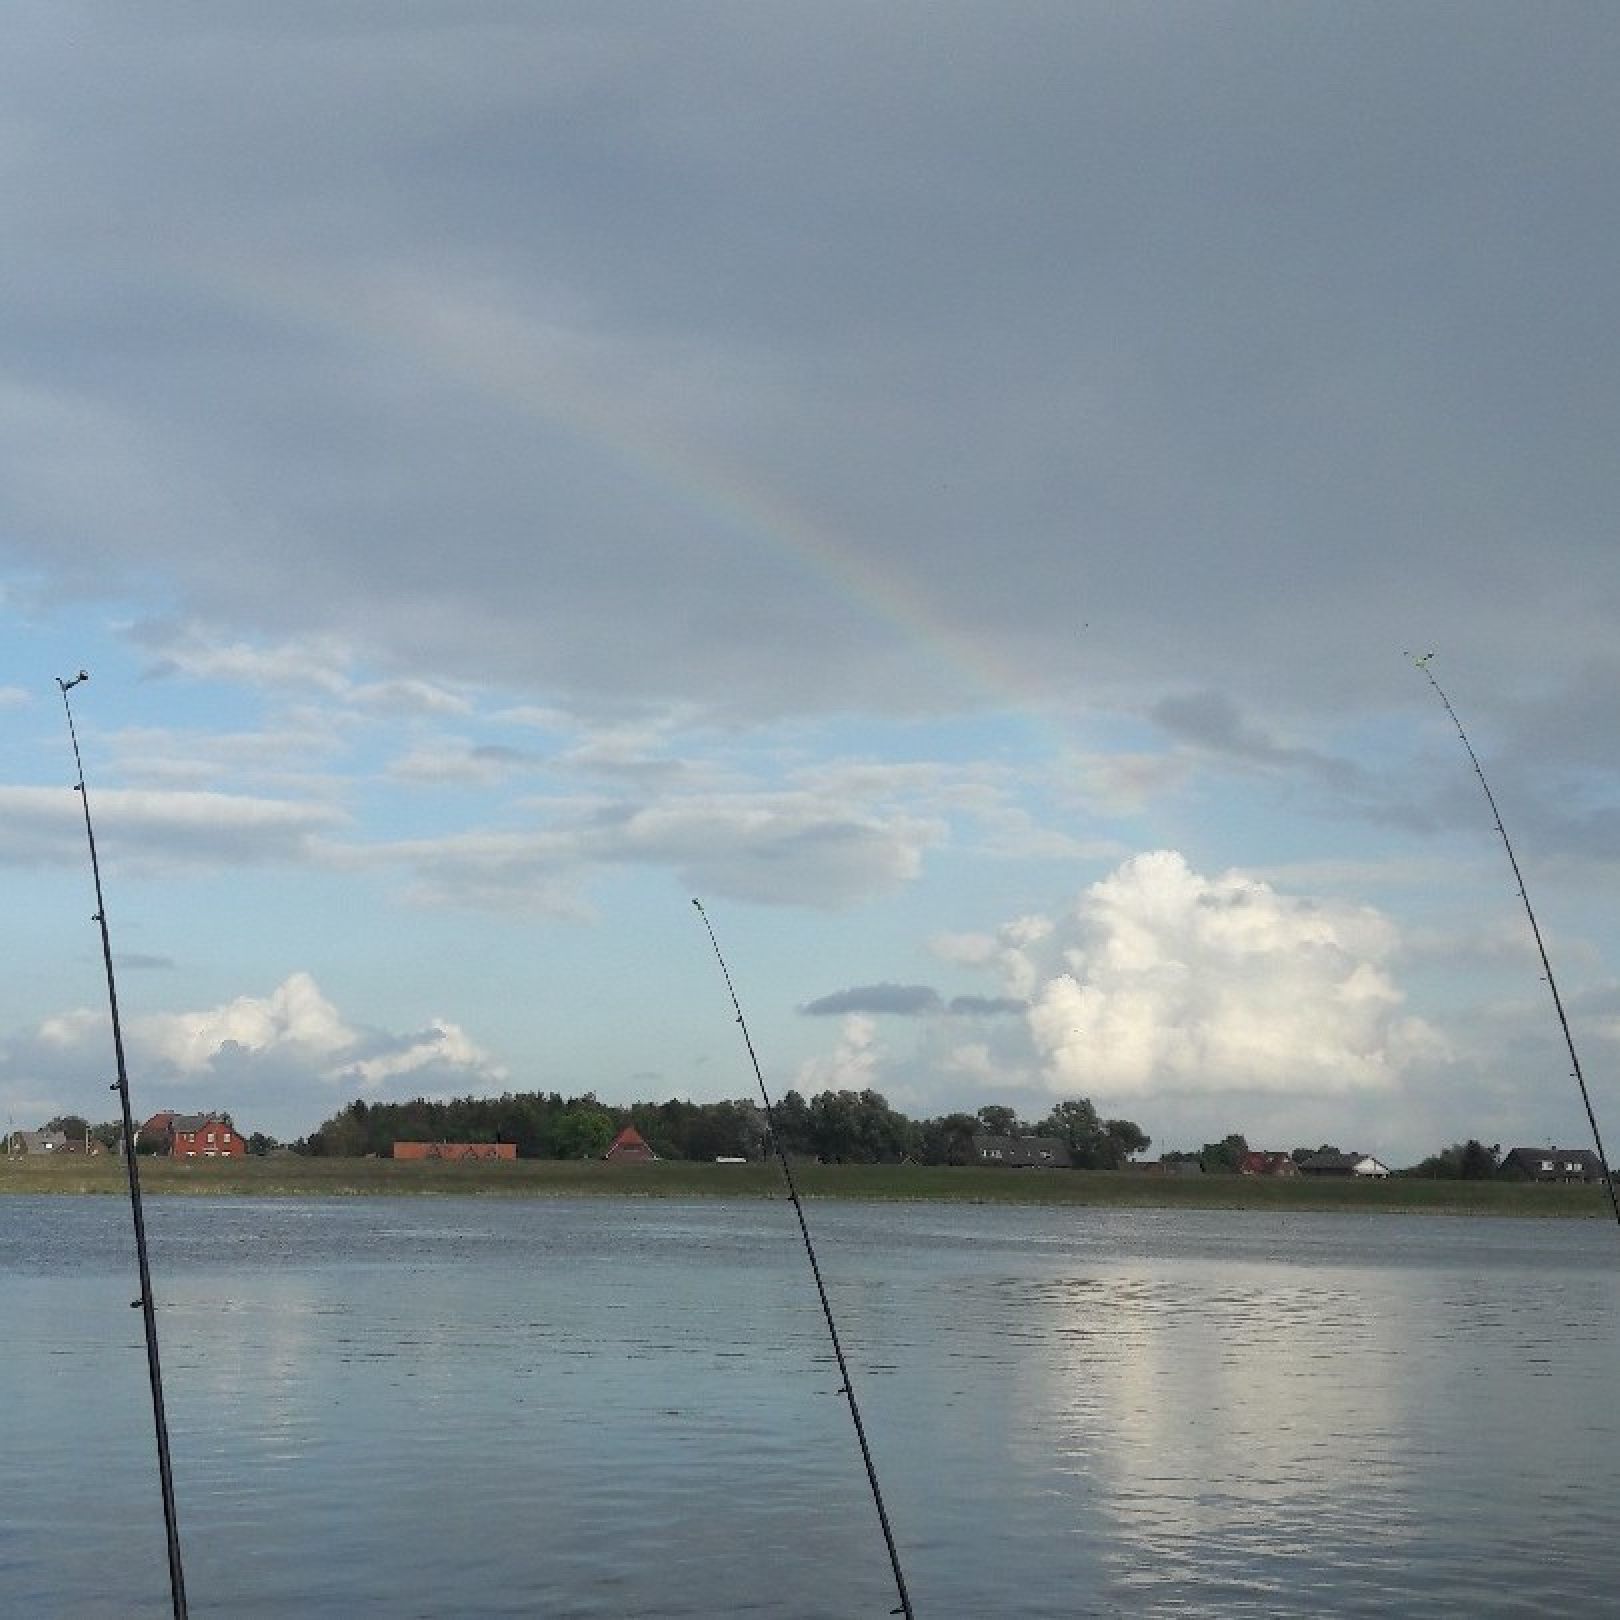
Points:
x=630, y=1147
x=455, y=1151
x=193, y=1136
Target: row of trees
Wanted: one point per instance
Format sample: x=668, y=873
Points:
x=1462, y=1161
x=850, y=1127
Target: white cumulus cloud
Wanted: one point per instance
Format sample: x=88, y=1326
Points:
x=1167, y=981
x=441, y=1045
x=280, y=1060
x=294, y=1015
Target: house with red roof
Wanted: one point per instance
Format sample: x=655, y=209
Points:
x=630, y=1147
x=1261, y=1163
x=192, y=1136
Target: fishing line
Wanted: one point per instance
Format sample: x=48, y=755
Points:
x=848, y=1389
x=177, y=1577
x=1535, y=928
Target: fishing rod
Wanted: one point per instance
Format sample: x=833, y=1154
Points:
x=177, y=1576
x=847, y=1388
x=1535, y=928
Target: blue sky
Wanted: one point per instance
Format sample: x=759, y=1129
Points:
x=954, y=487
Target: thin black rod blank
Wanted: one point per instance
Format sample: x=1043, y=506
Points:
x=171, y=1524
x=1535, y=928
x=848, y=1389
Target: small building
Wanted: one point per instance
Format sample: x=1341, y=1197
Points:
x=1553, y=1164
x=1344, y=1164
x=84, y=1146
x=1168, y=1167
x=1259, y=1162
x=629, y=1147
x=37, y=1142
x=456, y=1152
x=1021, y=1152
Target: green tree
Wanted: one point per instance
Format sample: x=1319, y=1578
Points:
x=858, y=1127
x=581, y=1132
x=345, y=1134
x=948, y=1139
x=1093, y=1143
x=1223, y=1157
x=995, y=1120
x=1076, y=1125
x=1122, y=1138
x=1462, y=1161
x=792, y=1115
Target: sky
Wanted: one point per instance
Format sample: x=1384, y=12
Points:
x=955, y=487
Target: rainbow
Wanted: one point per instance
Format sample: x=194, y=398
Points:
x=555, y=373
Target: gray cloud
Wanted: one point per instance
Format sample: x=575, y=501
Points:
x=1212, y=720
x=1262, y=340
x=157, y=831
x=144, y=962
x=775, y=848
x=909, y=1001
x=987, y=1006
x=901, y=1000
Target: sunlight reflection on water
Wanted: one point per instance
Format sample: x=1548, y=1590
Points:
x=606, y=1409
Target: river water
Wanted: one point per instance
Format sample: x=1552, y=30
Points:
x=613, y=1408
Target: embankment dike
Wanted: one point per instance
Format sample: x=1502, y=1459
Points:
x=284, y=1176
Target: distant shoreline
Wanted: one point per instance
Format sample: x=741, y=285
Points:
x=285, y=1176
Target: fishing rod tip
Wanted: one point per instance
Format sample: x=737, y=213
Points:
x=696, y=902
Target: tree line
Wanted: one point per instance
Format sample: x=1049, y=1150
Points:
x=845, y=1127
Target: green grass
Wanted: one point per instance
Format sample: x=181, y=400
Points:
x=288, y=1177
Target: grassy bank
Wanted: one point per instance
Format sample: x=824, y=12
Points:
x=288, y=1177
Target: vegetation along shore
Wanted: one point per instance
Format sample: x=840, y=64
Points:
x=844, y=1144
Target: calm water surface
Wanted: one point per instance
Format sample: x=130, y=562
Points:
x=606, y=1409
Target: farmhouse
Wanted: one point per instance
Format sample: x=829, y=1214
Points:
x=1021, y=1152
x=191, y=1136
x=1261, y=1163
x=1332, y=1163
x=1553, y=1164
x=456, y=1152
